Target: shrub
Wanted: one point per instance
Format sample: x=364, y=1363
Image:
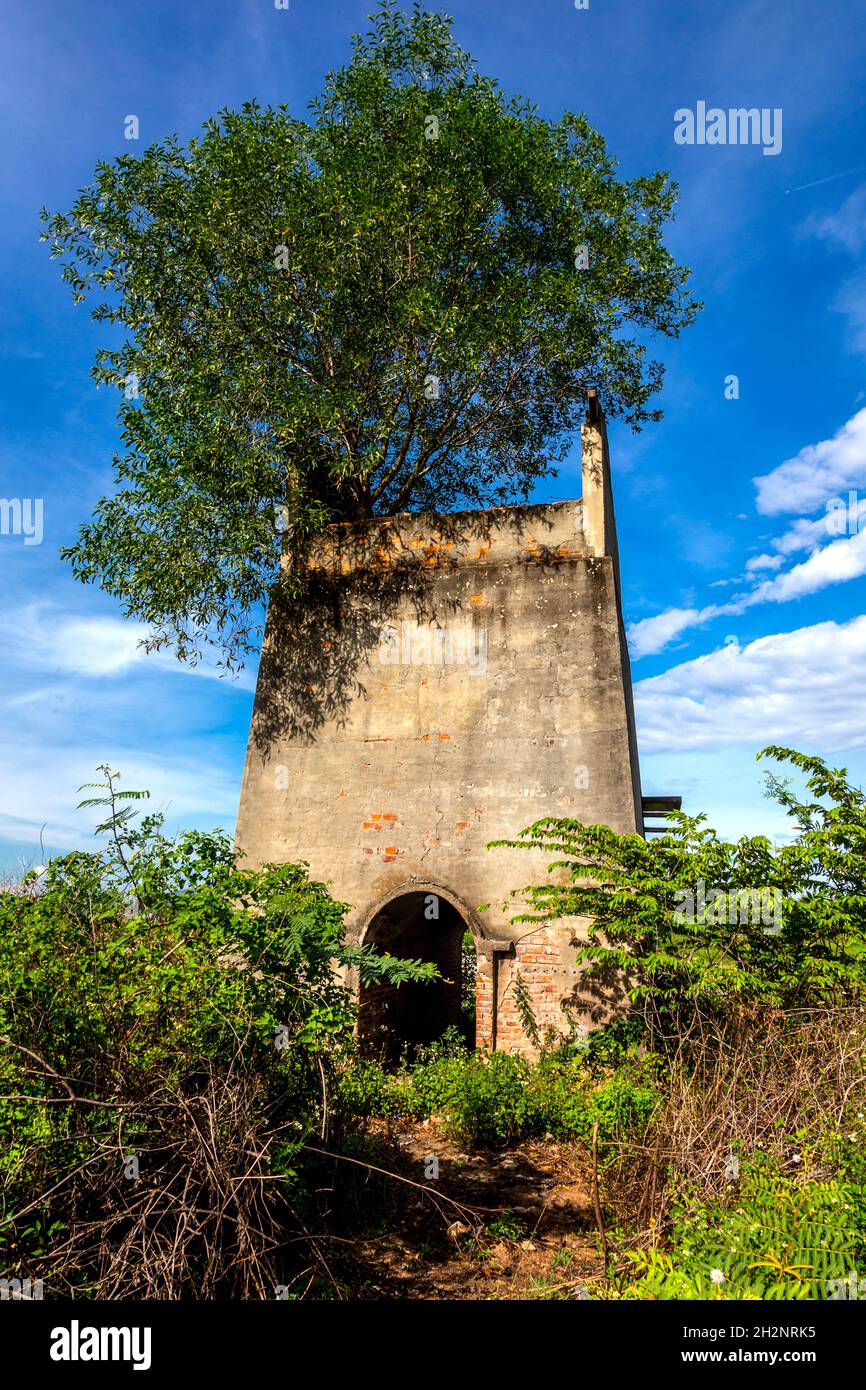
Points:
x=482, y=1099
x=366, y=1090
x=493, y=1101
x=574, y=1095
x=684, y=915
x=624, y=1104
x=781, y=1239
x=171, y=1027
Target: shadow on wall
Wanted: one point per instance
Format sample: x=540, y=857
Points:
x=598, y=998
x=316, y=644
x=358, y=577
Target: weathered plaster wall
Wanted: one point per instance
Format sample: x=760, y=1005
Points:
x=451, y=680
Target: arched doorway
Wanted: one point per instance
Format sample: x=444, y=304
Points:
x=418, y=925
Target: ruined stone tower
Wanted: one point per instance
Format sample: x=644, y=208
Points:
x=448, y=680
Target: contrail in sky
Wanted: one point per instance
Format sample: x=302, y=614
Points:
x=829, y=179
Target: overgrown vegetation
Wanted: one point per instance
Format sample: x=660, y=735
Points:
x=177, y=1062
x=781, y=1238
x=745, y=966
x=701, y=926
x=491, y=1100
x=170, y=1029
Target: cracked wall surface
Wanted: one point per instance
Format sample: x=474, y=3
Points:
x=448, y=681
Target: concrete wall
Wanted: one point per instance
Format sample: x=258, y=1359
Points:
x=449, y=680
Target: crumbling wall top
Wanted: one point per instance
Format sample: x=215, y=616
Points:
x=546, y=532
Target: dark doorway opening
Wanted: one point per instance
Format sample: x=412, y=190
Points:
x=396, y=1019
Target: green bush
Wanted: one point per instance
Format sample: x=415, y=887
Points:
x=574, y=1096
x=780, y=1238
x=617, y=1042
x=366, y=1090
x=561, y=1084
x=494, y=1101
x=171, y=1027
x=625, y=1103
x=698, y=925
x=482, y=1099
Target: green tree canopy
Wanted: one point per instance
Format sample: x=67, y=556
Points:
x=695, y=922
x=395, y=305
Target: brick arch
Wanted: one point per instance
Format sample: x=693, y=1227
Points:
x=424, y=886
x=412, y=1014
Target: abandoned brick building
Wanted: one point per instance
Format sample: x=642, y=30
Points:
x=448, y=680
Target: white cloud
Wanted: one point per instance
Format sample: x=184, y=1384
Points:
x=41, y=780
x=764, y=562
x=844, y=228
x=95, y=646
x=652, y=635
x=842, y=560
x=838, y=562
x=40, y=637
x=824, y=475
x=805, y=534
x=77, y=692
x=805, y=688
x=816, y=473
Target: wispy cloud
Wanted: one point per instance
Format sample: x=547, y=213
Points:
x=81, y=691
x=42, y=637
x=819, y=471
x=805, y=688
x=836, y=563
x=764, y=562
x=652, y=635
x=851, y=301
x=43, y=776
x=845, y=228
x=823, y=475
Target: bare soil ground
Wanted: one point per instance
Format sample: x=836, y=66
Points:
x=515, y=1223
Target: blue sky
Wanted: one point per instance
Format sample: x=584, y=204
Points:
x=746, y=610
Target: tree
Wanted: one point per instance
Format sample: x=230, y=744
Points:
x=396, y=305
x=698, y=923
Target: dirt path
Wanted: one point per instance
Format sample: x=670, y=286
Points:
x=523, y=1225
